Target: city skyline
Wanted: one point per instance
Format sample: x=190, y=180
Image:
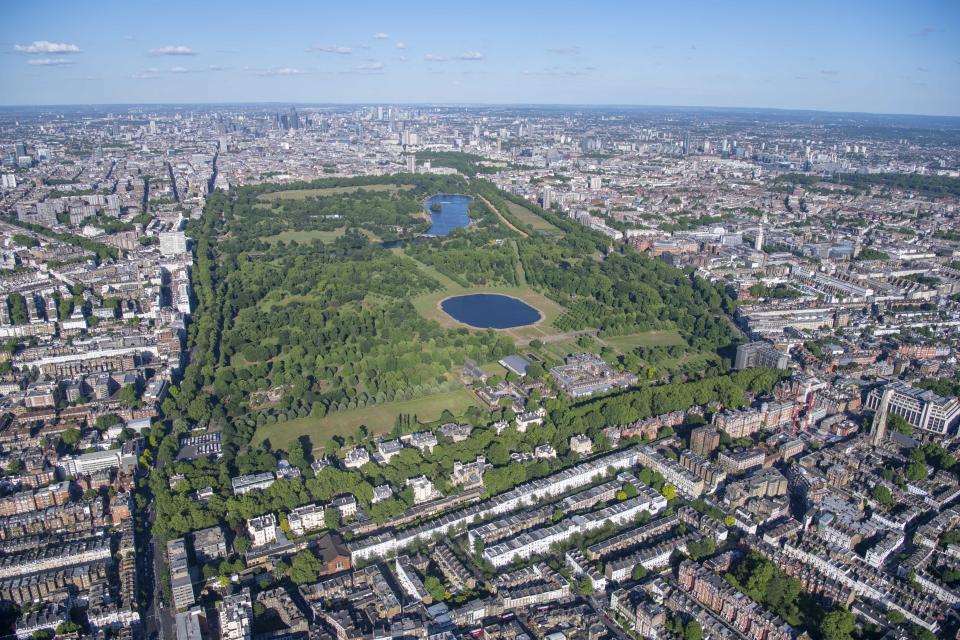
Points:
x=896, y=60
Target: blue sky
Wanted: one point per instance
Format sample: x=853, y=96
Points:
x=880, y=56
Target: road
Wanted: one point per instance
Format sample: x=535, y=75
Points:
x=158, y=621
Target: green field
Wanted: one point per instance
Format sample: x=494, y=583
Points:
x=428, y=305
x=645, y=339
x=300, y=194
x=378, y=419
x=306, y=236
x=531, y=219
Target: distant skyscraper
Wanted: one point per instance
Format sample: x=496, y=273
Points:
x=294, y=119
x=546, y=198
x=379, y=113
x=411, y=164
x=686, y=143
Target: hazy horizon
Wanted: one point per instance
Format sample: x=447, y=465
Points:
x=884, y=58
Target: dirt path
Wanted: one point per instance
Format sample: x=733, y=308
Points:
x=502, y=219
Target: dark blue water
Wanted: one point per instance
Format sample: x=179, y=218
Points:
x=490, y=311
x=453, y=214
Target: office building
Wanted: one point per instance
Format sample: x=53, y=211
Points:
x=923, y=410
x=760, y=354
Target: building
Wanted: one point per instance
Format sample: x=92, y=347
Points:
x=760, y=354
x=332, y=553
x=262, y=530
x=181, y=580
x=515, y=364
x=305, y=518
x=252, y=482
x=87, y=463
x=173, y=243
x=581, y=445
x=740, y=460
x=423, y=489
x=923, y=410
x=209, y=544
x=236, y=616
x=704, y=440
x=190, y=624
x=356, y=458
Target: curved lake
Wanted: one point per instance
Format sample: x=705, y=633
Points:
x=490, y=311
x=453, y=213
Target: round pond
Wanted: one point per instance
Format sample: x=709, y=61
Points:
x=490, y=311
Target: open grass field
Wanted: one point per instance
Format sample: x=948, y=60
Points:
x=428, y=305
x=645, y=339
x=378, y=419
x=528, y=217
x=307, y=236
x=300, y=194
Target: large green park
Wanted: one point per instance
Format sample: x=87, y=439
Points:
x=319, y=305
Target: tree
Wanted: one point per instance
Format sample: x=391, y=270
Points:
x=837, y=625
x=241, y=544
x=435, y=588
x=128, y=396
x=882, y=495
x=68, y=627
x=585, y=586
x=669, y=491
x=305, y=567
x=894, y=617
x=693, y=631
x=70, y=437
x=897, y=423
x=702, y=548
x=916, y=470
x=297, y=455
x=331, y=518
x=18, y=308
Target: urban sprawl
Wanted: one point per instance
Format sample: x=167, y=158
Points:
x=768, y=453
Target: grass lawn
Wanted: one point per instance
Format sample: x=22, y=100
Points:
x=307, y=236
x=531, y=219
x=300, y=194
x=378, y=419
x=428, y=305
x=645, y=339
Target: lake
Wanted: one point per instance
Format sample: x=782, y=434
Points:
x=453, y=214
x=490, y=311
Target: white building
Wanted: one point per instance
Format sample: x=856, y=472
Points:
x=263, y=530
x=423, y=489
x=306, y=518
x=356, y=458
x=173, y=243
